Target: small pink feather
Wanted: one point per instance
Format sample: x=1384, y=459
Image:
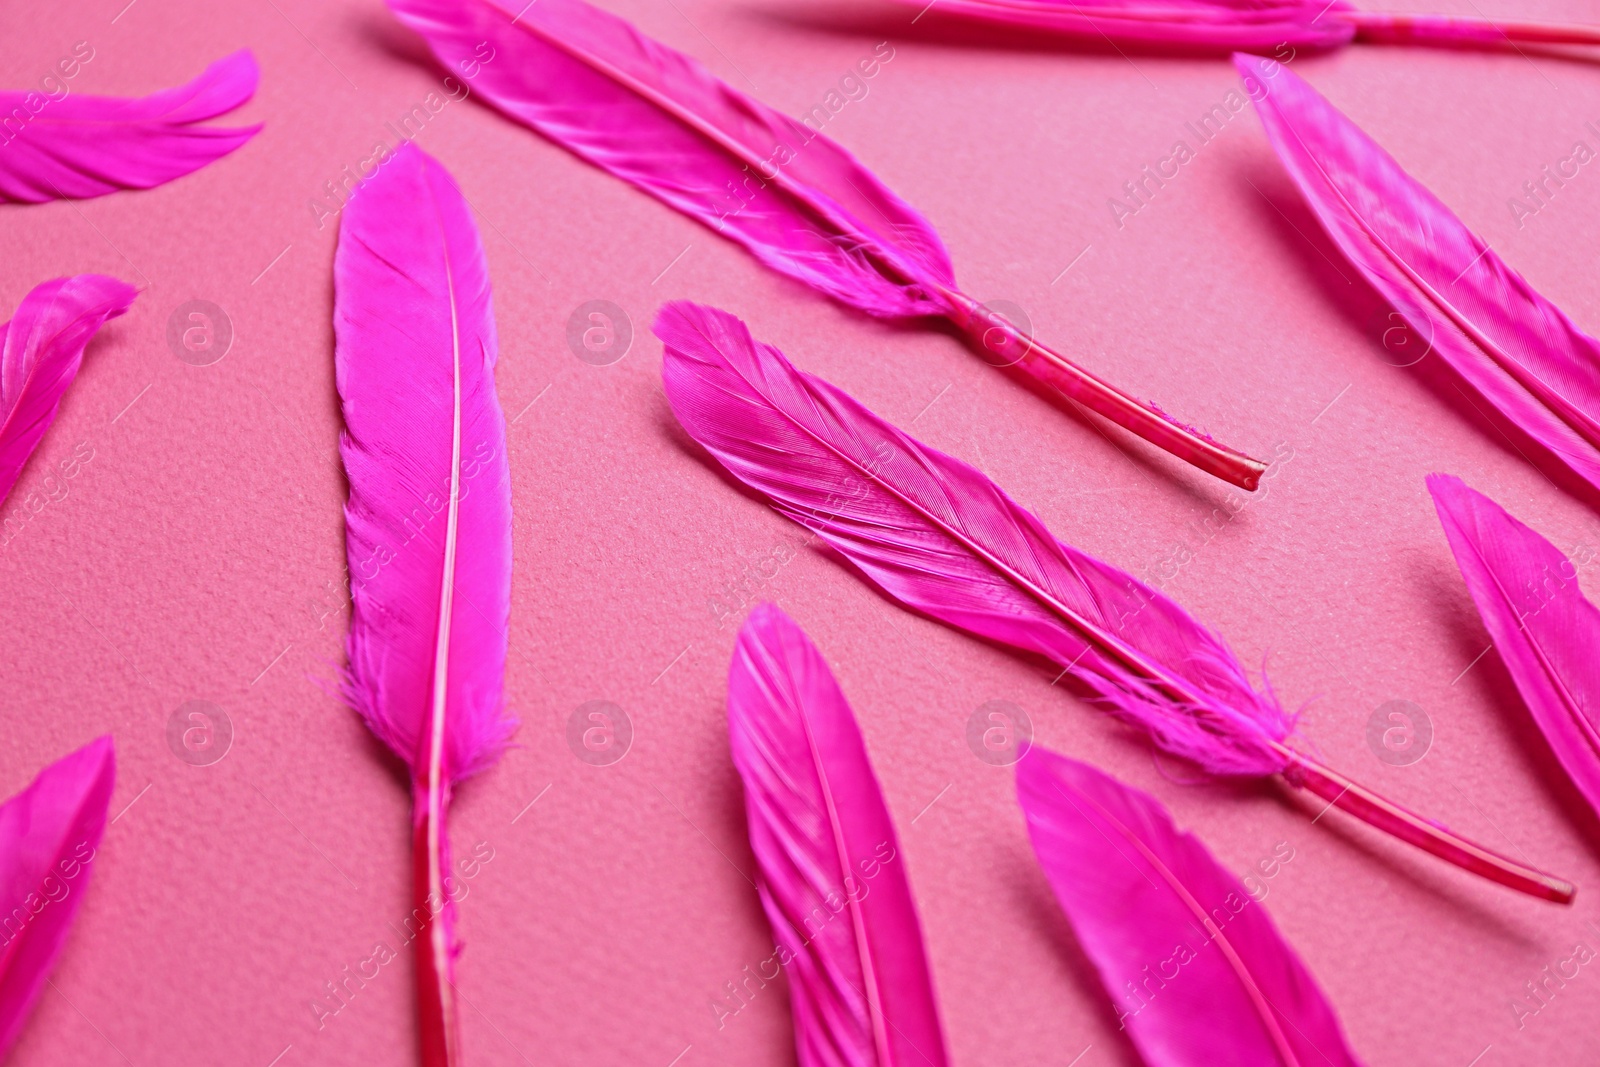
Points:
x=48, y=836
x=1200, y=975
x=941, y=538
x=1546, y=633
x=84, y=146
x=800, y=203
x=1246, y=25
x=41, y=349
x=832, y=877
x=1513, y=346
x=428, y=521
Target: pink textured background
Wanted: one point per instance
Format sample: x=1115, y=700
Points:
x=198, y=555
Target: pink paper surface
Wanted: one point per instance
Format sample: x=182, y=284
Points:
x=196, y=554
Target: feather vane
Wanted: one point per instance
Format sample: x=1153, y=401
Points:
x=832, y=879
x=800, y=203
x=79, y=147
x=939, y=537
x=428, y=520
x=1142, y=897
x=41, y=349
x=1546, y=632
x=1515, y=348
x=48, y=836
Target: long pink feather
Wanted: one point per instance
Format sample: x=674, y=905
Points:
x=942, y=539
x=41, y=349
x=832, y=878
x=1513, y=346
x=84, y=146
x=428, y=521
x=1546, y=632
x=799, y=202
x=1200, y=974
x=1247, y=25
x=48, y=836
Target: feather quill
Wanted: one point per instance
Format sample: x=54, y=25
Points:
x=832, y=880
x=48, y=836
x=1515, y=348
x=78, y=147
x=942, y=539
x=41, y=349
x=796, y=200
x=428, y=521
x=1144, y=897
x=1248, y=25
x=1546, y=632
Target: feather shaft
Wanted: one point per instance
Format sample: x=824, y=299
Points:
x=1384, y=814
x=693, y=132
x=1393, y=28
x=439, y=1001
x=1265, y=28
x=944, y=540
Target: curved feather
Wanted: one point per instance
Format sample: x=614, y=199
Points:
x=941, y=538
x=1513, y=346
x=1245, y=25
x=415, y=341
x=41, y=349
x=1546, y=632
x=832, y=880
x=656, y=118
x=1199, y=974
x=428, y=520
x=48, y=836
x=85, y=146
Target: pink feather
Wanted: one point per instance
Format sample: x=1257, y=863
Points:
x=942, y=539
x=1246, y=25
x=428, y=521
x=1199, y=973
x=41, y=349
x=799, y=202
x=48, y=836
x=84, y=146
x=832, y=877
x=1514, y=347
x=1546, y=633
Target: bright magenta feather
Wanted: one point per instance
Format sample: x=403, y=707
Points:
x=1514, y=347
x=428, y=521
x=48, y=836
x=41, y=349
x=1546, y=632
x=1199, y=973
x=85, y=146
x=942, y=539
x=832, y=877
x=799, y=202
